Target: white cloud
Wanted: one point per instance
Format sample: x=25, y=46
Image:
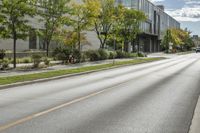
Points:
x=190, y=12
x=156, y=0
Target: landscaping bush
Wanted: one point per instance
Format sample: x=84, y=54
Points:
x=141, y=55
x=36, y=60
x=77, y=56
x=46, y=61
x=25, y=60
x=133, y=55
x=62, y=53
x=84, y=57
x=2, y=54
x=93, y=55
x=121, y=54
x=112, y=54
x=61, y=56
x=103, y=54
x=4, y=64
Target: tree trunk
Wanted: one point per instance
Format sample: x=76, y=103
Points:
x=79, y=41
x=47, y=49
x=138, y=44
x=133, y=46
x=125, y=45
x=14, y=51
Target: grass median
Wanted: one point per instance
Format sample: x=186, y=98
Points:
x=50, y=74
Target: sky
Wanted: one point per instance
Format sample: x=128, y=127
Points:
x=187, y=12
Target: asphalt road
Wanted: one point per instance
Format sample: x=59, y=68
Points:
x=157, y=97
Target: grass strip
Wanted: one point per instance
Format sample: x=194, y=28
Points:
x=50, y=74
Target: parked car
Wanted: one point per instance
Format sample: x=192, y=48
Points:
x=197, y=50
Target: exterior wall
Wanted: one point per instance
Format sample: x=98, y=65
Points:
x=92, y=41
x=24, y=45
x=153, y=30
x=157, y=20
x=7, y=44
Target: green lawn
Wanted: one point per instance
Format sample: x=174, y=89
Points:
x=31, y=77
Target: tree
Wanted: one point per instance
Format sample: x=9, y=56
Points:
x=104, y=21
x=68, y=38
x=166, y=40
x=14, y=20
x=83, y=17
x=180, y=38
x=54, y=14
x=128, y=24
x=188, y=41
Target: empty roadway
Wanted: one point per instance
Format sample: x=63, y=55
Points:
x=157, y=97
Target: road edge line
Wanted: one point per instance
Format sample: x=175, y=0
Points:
x=194, y=127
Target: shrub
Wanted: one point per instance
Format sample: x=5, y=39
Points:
x=36, y=60
x=93, y=55
x=103, y=54
x=84, y=57
x=130, y=55
x=133, y=55
x=25, y=60
x=62, y=53
x=76, y=55
x=4, y=64
x=121, y=54
x=46, y=61
x=141, y=55
x=61, y=56
x=112, y=54
x=2, y=54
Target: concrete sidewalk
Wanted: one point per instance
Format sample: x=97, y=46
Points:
x=195, y=127
x=56, y=67
x=162, y=54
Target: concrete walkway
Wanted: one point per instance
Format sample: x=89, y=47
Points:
x=56, y=67
x=195, y=127
x=31, y=64
x=162, y=54
x=71, y=66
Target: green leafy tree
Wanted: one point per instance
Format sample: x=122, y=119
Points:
x=166, y=40
x=127, y=24
x=180, y=38
x=69, y=38
x=104, y=21
x=116, y=26
x=14, y=20
x=188, y=41
x=83, y=17
x=53, y=15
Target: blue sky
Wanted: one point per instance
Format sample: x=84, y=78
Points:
x=187, y=12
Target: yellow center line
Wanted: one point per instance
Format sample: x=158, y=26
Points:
x=28, y=118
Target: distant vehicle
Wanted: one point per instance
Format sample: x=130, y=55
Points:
x=198, y=50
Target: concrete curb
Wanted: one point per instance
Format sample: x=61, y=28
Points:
x=65, y=76
x=195, y=126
